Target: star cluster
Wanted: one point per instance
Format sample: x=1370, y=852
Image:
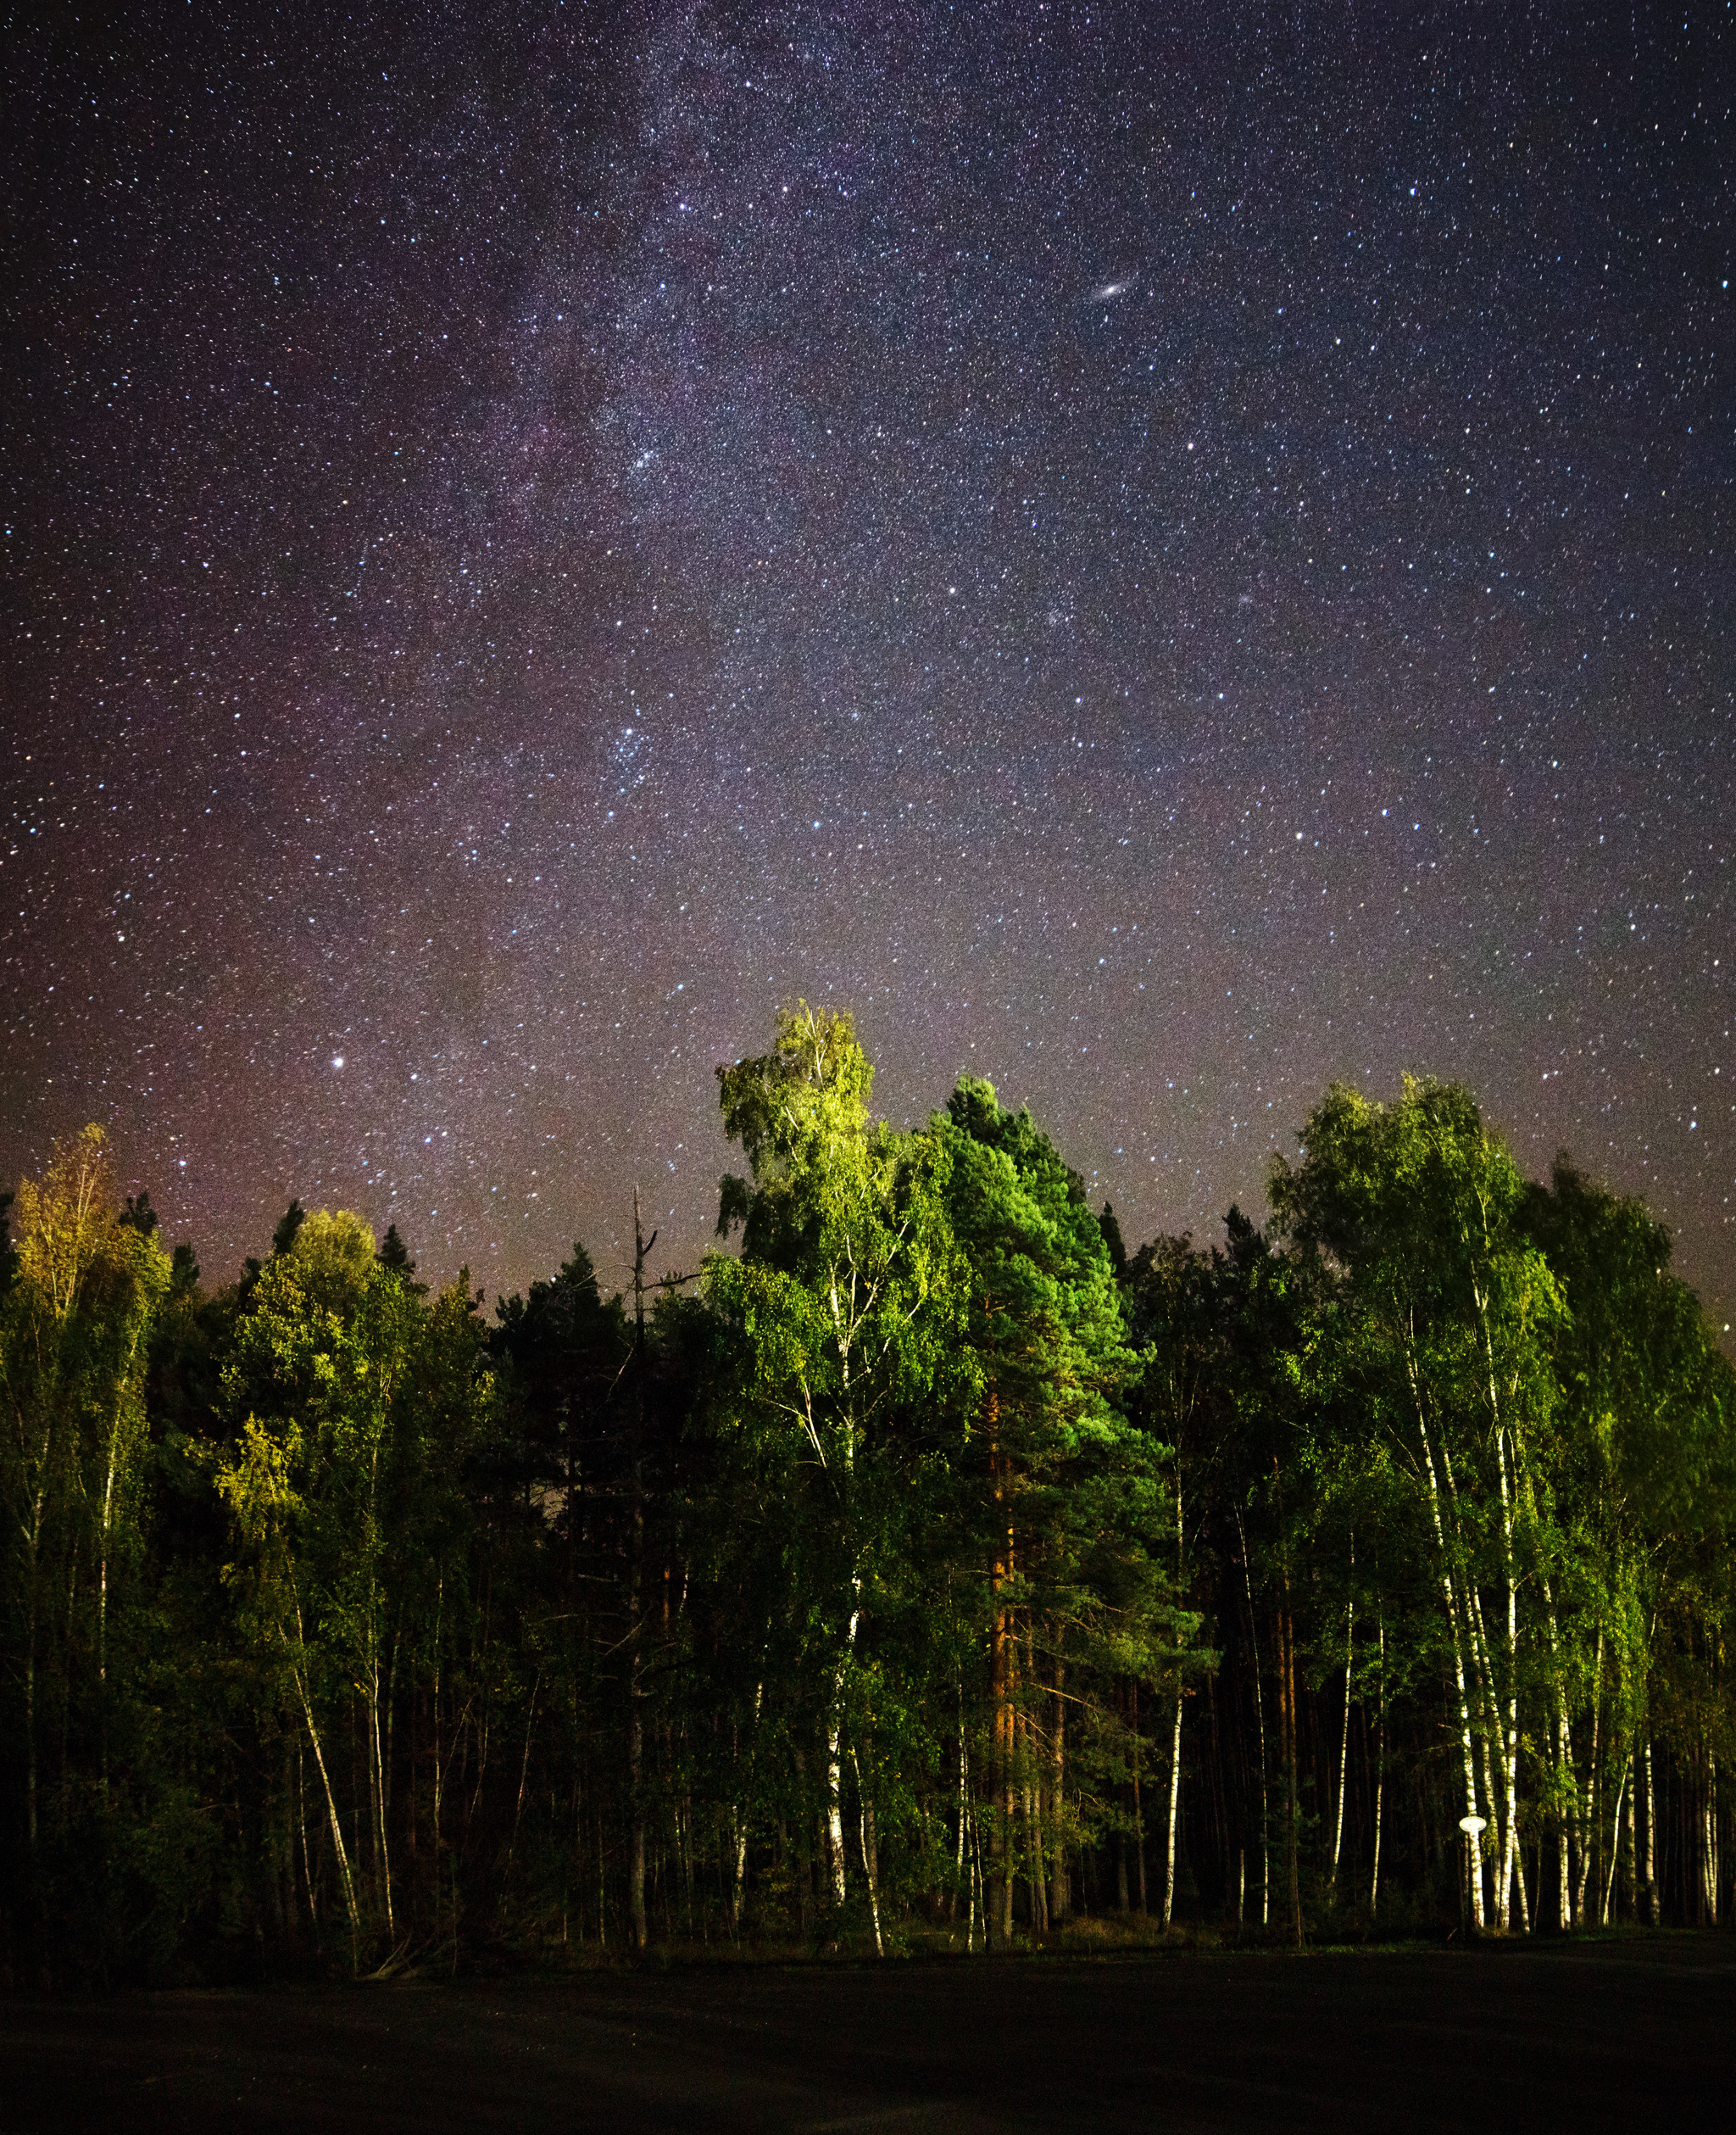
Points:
x=1163, y=557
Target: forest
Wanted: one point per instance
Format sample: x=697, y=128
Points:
x=932, y=1572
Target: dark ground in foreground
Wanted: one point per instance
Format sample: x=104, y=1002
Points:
x=1639, y=2033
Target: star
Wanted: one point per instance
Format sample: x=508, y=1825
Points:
x=659, y=463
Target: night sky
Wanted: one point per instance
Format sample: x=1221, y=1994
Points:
x=1163, y=556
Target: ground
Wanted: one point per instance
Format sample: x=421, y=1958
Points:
x=1634, y=2033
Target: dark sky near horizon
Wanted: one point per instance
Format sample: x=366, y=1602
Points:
x=1162, y=555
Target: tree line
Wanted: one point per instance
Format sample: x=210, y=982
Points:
x=932, y=1571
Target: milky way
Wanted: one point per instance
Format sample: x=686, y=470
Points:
x=1163, y=557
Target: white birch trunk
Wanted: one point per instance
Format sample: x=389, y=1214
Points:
x=1345, y=1732
x=834, y=1788
x=1615, y=1841
x=741, y=1815
x=1493, y=1748
x=1450, y=1600
x=834, y=1811
x=1169, y=1872
x=1564, y=1762
x=1512, y=1868
x=1484, y=1700
x=102, y=1570
x=979, y=1886
x=1585, y=1805
x=343, y=1872
x=1506, y=1731
x=964, y=1791
x=1709, y=1850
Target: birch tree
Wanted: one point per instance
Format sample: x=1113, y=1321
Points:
x=75, y=1326
x=841, y=1303
x=335, y=1376
x=1418, y=1204
x=1641, y=1461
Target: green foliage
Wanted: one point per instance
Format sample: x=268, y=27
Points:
x=940, y=1570
x=74, y=1328
x=845, y=1290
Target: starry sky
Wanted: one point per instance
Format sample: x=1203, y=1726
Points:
x=1164, y=554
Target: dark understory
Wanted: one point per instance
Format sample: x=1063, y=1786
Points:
x=1640, y=2034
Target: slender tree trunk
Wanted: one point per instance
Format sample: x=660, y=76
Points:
x=959, y=1869
x=1293, y=1822
x=1001, y=1918
x=602, y=1876
x=301, y=1818
x=979, y=1881
x=102, y=1607
x=32, y=1582
x=346, y=1881
x=33, y=1532
x=636, y=1810
x=1037, y=1864
x=439, y=1766
x=1484, y=1701
x=1139, y=1804
x=1035, y=1859
x=1615, y=1840
x=1652, y=1819
x=378, y=1754
x=1260, y=1721
x=1060, y=1881
x=1169, y=1872
x=1286, y=1702
x=1286, y=1694
x=1708, y=1849
x=973, y=1881
x=518, y=1813
x=104, y=1544
x=1380, y=1770
x=870, y=1866
x=1450, y=1601
x=1585, y=1804
x=834, y=1774
x=1495, y=1853
x=1513, y=1864
x=1345, y=1732
x=1564, y=1762
x=740, y=1819
x=1506, y=1733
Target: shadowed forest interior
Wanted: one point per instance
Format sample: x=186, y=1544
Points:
x=927, y=1570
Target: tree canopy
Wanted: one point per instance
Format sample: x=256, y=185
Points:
x=935, y=1570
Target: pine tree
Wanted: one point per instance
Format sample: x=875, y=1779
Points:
x=1071, y=1500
